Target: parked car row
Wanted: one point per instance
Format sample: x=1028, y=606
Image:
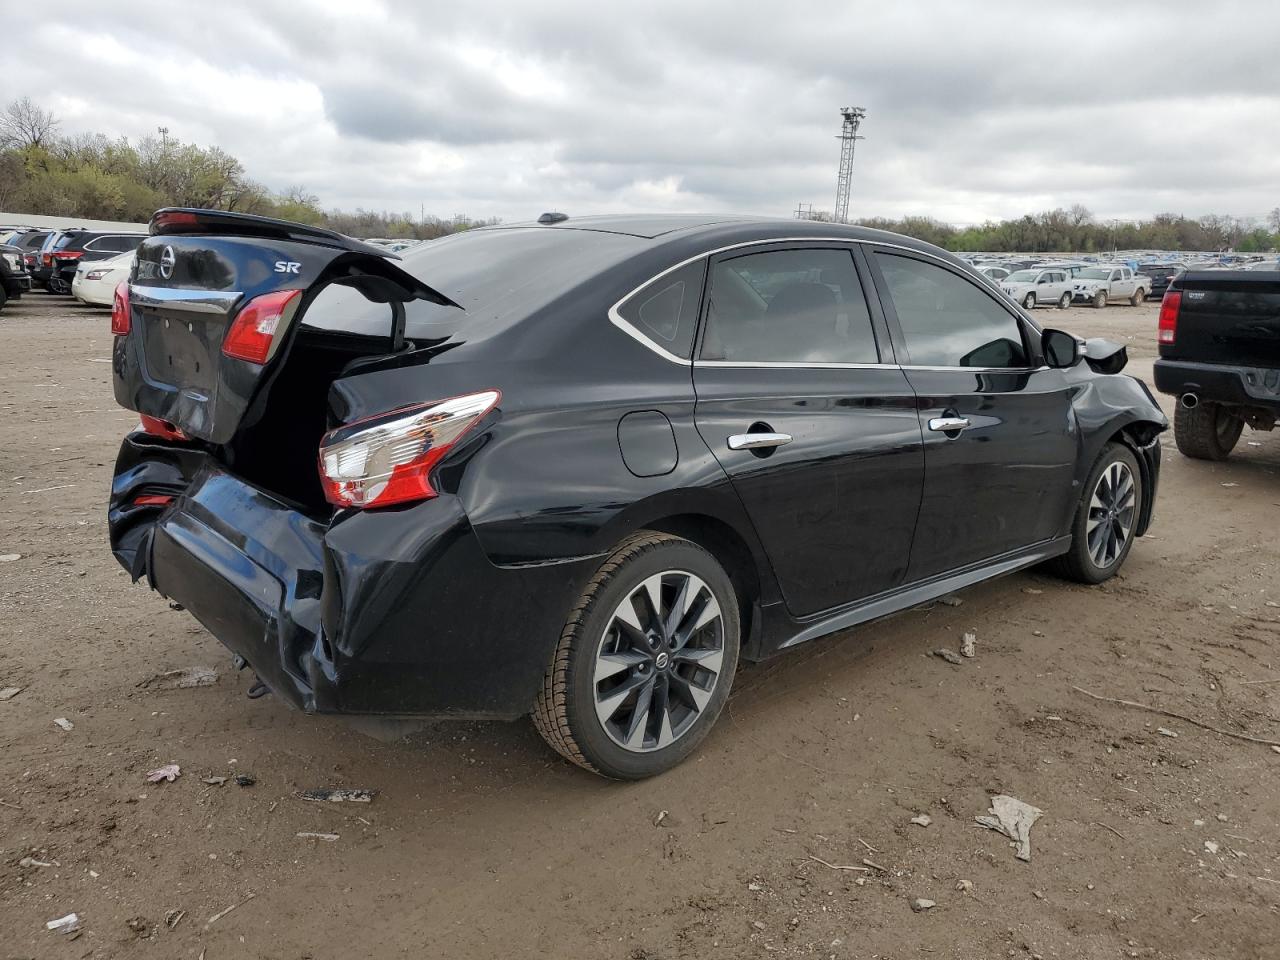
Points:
x=73, y=261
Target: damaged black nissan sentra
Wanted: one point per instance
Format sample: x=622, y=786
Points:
x=579, y=468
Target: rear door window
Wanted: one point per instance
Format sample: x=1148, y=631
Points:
x=947, y=321
x=788, y=306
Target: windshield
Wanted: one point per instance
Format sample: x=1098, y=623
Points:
x=1094, y=273
x=1023, y=276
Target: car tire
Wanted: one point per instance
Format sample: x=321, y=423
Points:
x=1100, y=299
x=1095, y=554
x=1139, y=297
x=1064, y=301
x=4, y=298
x=578, y=710
x=1207, y=431
x=1029, y=302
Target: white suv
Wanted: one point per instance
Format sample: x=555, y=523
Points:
x=1039, y=285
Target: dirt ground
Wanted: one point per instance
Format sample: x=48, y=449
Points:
x=481, y=843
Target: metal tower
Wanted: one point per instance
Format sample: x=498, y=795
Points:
x=853, y=116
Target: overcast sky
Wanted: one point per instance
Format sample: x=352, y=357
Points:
x=975, y=110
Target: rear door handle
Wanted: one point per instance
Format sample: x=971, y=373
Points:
x=757, y=441
x=948, y=424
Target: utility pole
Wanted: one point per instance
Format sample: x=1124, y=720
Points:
x=164, y=138
x=853, y=117
x=804, y=211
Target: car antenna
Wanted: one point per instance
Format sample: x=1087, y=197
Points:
x=552, y=216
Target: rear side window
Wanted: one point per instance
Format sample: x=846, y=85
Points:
x=788, y=306
x=948, y=321
x=666, y=311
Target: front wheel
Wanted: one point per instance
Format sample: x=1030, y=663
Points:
x=1064, y=301
x=1029, y=301
x=645, y=661
x=1206, y=431
x=1100, y=299
x=1106, y=516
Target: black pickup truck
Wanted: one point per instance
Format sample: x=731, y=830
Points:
x=1219, y=337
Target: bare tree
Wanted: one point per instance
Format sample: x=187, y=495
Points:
x=1273, y=219
x=25, y=124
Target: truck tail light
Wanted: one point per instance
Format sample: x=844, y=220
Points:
x=388, y=458
x=253, y=335
x=1169, y=306
x=121, y=322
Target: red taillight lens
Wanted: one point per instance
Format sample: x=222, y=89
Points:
x=152, y=500
x=253, y=335
x=121, y=322
x=174, y=218
x=46, y=259
x=69, y=255
x=389, y=458
x=161, y=428
x=1169, y=306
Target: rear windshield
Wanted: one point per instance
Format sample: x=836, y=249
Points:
x=494, y=274
x=67, y=239
x=1094, y=273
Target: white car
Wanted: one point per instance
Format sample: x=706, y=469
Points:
x=1039, y=286
x=1101, y=284
x=95, y=282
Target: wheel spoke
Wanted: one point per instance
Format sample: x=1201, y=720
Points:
x=652, y=587
x=633, y=735
x=608, y=705
x=684, y=596
x=692, y=695
x=708, y=659
x=611, y=664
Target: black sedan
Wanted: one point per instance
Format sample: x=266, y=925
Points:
x=580, y=468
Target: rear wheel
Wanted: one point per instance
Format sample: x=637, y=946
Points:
x=1138, y=298
x=1029, y=301
x=1106, y=516
x=1207, y=431
x=4, y=298
x=1100, y=299
x=1064, y=301
x=645, y=661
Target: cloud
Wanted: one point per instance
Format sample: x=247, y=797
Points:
x=506, y=108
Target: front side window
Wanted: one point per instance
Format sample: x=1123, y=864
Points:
x=788, y=306
x=948, y=321
x=666, y=311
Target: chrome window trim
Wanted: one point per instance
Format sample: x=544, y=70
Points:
x=622, y=324
x=796, y=364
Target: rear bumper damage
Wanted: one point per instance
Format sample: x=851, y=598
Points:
x=359, y=614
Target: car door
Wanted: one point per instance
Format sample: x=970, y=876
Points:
x=800, y=400
x=1120, y=288
x=1055, y=286
x=1000, y=435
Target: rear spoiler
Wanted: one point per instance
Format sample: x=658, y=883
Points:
x=177, y=220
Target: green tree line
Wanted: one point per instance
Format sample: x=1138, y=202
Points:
x=99, y=178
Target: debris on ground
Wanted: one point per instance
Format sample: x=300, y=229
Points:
x=245, y=780
x=964, y=886
x=8, y=693
x=68, y=924
x=1166, y=732
x=33, y=862
x=950, y=601
x=1013, y=818
x=923, y=820
x=138, y=925
x=1034, y=591
x=967, y=644
x=358, y=796
x=662, y=815
x=920, y=904
x=1211, y=846
x=305, y=835
x=214, y=781
x=64, y=723
x=9, y=557
x=948, y=655
x=173, y=917
x=181, y=679
x=169, y=772
x=222, y=913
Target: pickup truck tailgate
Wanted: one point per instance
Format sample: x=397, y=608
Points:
x=1228, y=317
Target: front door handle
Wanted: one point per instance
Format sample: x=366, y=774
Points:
x=948, y=424
x=758, y=441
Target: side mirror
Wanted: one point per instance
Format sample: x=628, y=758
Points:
x=1061, y=349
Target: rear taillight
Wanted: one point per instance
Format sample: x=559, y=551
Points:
x=69, y=255
x=1169, y=306
x=388, y=459
x=46, y=259
x=253, y=335
x=120, y=319
x=161, y=428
